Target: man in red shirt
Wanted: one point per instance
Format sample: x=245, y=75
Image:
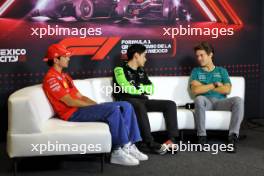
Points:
x=70, y=105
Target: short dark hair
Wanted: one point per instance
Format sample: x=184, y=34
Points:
x=207, y=47
x=135, y=48
x=50, y=62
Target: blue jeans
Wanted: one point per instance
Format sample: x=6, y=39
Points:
x=120, y=117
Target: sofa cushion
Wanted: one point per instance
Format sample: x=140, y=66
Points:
x=60, y=132
x=102, y=89
x=215, y=120
x=185, y=120
x=85, y=87
x=238, y=87
x=172, y=88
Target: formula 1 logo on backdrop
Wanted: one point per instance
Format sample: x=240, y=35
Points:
x=97, y=47
x=12, y=55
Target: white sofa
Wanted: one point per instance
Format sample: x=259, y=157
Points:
x=31, y=116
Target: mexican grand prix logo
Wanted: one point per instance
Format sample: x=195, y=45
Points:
x=97, y=47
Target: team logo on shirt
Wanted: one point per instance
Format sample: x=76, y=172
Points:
x=130, y=74
x=217, y=75
x=53, y=84
x=141, y=74
x=59, y=78
x=202, y=77
x=55, y=87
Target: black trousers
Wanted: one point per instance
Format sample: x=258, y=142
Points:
x=142, y=106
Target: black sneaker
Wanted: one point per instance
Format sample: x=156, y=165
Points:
x=157, y=148
x=233, y=139
x=202, y=140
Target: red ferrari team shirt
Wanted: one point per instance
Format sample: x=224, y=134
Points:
x=56, y=85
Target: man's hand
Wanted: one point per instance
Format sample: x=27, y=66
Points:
x=218, y=84
x=86, y=99
x=74, y=102
x=198, y=88
x=222, y=88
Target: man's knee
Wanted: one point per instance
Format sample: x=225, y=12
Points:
x=237, y=101
x=136, y=105
x=170, y=104
x=125, y=104
x=200, y=101
x=114, y=109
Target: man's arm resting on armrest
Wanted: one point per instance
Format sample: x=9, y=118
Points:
x=198, y=88
x=78, y=103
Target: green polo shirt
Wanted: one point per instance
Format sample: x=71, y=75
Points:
x=219, y=74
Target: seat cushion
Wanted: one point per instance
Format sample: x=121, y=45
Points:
x=215, y=120
x=185, y=120
x=157, y=122
x=93, y=135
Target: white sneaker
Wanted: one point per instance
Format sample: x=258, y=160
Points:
x=120, y=157
x=133, y=151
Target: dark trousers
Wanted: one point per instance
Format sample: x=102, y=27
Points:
x=142, y=106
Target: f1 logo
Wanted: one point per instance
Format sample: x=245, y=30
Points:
x=97, y=47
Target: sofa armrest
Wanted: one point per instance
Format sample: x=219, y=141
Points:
x=22, y=116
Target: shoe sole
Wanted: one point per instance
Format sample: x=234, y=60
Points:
x=160, y=153
x=142, y=159
x=123, y=164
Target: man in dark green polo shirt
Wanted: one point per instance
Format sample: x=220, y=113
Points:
x=211, y=84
